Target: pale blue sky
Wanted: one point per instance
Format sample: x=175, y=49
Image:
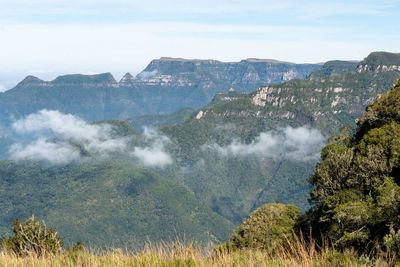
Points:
x=50, y=37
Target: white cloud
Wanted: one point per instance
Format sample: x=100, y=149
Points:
x=154, y=155
x=43, y=150
x=297, y=144
x=144, y=75
x=69, y=131
x=60, y=138
x=95, y=138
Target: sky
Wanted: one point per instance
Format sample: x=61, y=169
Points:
x=47, y=38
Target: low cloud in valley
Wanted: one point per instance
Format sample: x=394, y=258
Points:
x=63, y=138
x=297, y=144
x=154, y=155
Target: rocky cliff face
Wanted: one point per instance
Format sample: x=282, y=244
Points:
x=182, y=72
x=165, y=86
x=322, y=100
x=380, y=62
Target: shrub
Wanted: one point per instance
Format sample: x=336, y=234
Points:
x=32, y=237
x=268, y=227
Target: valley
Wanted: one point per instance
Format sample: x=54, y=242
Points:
x=204, y=168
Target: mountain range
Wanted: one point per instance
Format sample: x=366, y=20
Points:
x=235, y=150
x=164, y=86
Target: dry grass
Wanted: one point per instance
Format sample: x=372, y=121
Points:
x=297, y=253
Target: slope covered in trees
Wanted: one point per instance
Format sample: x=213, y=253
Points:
x=356, y=189
x=355, y=196
x=105, y=204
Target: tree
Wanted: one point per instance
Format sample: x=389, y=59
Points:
x=32, y=236
x=356, y=186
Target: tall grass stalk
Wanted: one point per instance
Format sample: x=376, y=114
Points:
x=298, y=252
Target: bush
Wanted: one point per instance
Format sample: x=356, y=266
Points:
x=32, y=237
x=269, y=227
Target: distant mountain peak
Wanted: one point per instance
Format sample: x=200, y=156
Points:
x=103, y=78
x=30, y=80
x=127, y=78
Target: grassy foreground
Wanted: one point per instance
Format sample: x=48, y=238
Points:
x=298, y=253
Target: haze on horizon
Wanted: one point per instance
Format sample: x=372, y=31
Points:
x=48, y=38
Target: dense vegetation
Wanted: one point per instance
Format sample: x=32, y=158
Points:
x=356, y=190
x=155, y=121
x=268, y=228
x=334, y=68
x=355, y=196
x=105, y=204
x=275, y=245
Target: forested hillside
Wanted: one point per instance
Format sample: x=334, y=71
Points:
x=106, y=204
x=356, y=192
x=263, y=146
